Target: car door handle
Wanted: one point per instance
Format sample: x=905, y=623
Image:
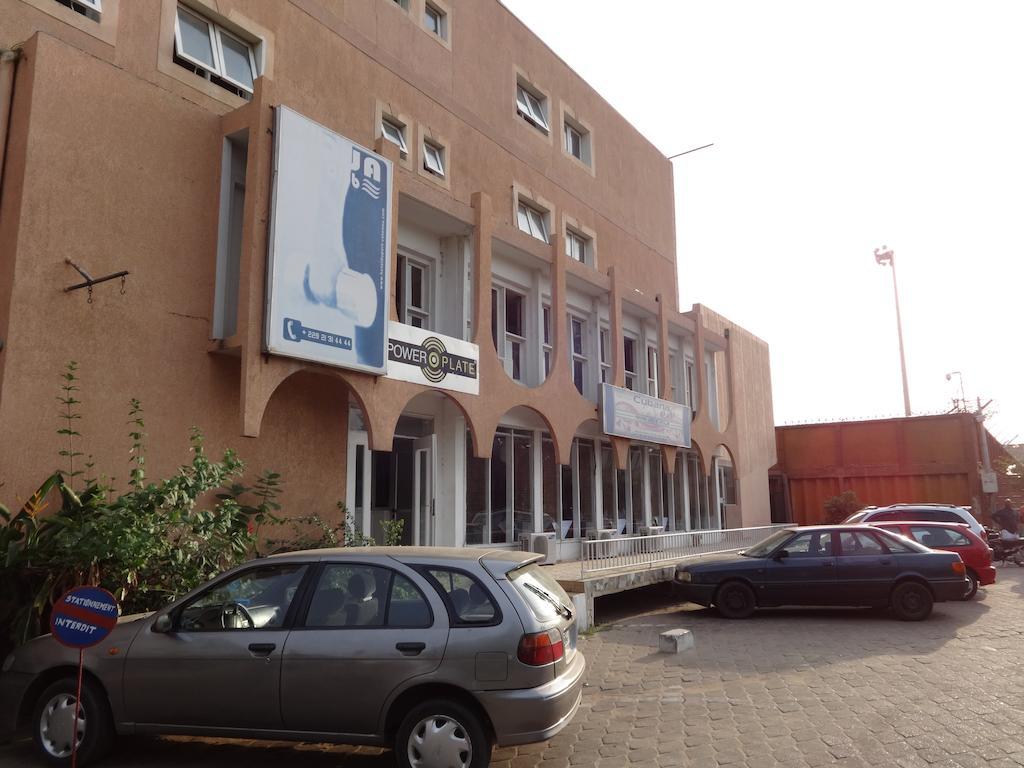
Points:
x=262, y=649
x=828, y=564
x=410, y=649
x=886, y=561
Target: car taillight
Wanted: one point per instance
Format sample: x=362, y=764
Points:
x=959, y=569
x=541, y=648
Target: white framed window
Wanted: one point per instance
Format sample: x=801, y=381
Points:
x=212, y=52
x=547, y=340
x=630, y=362
x=577, y=141
x=532, y=221
x=508, y=329
x=688, y=378
x=394, y=131
x=652, y=371
x=91, y=9
x=532, y=106
x=433, y=158
x=576, y=246
x=414, y=292
x=435, y=20
x=605, y=344
x=578, y=353
x=675, y=368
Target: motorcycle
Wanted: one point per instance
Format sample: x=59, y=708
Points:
x=1005, y=550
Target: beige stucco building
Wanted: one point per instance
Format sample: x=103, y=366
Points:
x=529, y=218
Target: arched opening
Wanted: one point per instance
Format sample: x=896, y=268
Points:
x=693, y=508
x=409, y=494
x=725, y=488
x=503, y=494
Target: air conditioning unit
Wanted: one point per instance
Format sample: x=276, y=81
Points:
x=541, y=543
x=652, y=530
x=607, y=549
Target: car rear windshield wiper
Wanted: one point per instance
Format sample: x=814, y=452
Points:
x=563, y=610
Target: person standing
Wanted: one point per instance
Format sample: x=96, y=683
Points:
x=1008, y=519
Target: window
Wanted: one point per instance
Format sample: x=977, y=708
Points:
x=855, y=543
x=508, y=329
x=413, y=293
x=810, y=545
x=629, y=361
x=433, y=158
x=688, y=379
x=577, y=141
x=606, y=364
x=547, y=341
x=212, y=52
x=576, y=246
x=532, y=106
x=467, y=600
x=653, y=385
x=435, y=20
x=403, y=4
x=578, y=357
x=349, y=596
x=91, y=9
x=258, y=598
x=394, y=132
x=934, y=537
x=533, y=221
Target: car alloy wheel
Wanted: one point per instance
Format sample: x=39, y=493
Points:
x=735, y=600
x=439, y=741
x=442, y=733
x=56, y=724
x=972, y=586
x=53, y=722
x=911, y=601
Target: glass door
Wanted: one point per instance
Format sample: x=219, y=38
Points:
x=423, y=512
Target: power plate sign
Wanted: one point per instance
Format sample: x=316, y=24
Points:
x=83, y=617
x=424, y=357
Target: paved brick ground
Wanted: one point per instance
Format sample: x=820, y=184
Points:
x=786, y=688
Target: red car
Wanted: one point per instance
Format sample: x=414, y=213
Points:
x=952, y=537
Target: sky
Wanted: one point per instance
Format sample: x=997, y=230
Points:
x=838, y=127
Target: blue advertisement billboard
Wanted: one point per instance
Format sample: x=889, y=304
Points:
x=330, y=240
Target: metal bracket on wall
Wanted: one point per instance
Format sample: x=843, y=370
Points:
x=91, y=281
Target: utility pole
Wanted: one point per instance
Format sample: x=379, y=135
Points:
x=989, y=481
x=885, y=256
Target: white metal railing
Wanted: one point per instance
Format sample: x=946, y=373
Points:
x=625, y=552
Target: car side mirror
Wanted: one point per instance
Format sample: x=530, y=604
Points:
x=163, y=624
x=780, y=555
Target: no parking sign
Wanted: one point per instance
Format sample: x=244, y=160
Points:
x=83, y=617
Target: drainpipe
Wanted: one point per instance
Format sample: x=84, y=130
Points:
x=8, y=66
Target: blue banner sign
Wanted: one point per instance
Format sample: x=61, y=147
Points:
x=626, y=413
x=330, y=244
x=83, y=617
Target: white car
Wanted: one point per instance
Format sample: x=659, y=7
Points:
x=932, y=513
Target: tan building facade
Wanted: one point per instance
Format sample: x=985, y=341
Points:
x=528, y=219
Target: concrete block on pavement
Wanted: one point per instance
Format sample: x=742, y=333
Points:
x=675, y=641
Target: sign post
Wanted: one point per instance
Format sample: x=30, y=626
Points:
x=82, y=617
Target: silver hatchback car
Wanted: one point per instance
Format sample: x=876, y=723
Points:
x=438, y=653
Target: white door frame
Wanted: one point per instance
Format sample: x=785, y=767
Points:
x=423, y=519
x=357, y=439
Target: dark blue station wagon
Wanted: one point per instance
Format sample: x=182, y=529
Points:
x=849, y=565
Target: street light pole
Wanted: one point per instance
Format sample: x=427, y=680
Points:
x=884, y=256
x=963, y=397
